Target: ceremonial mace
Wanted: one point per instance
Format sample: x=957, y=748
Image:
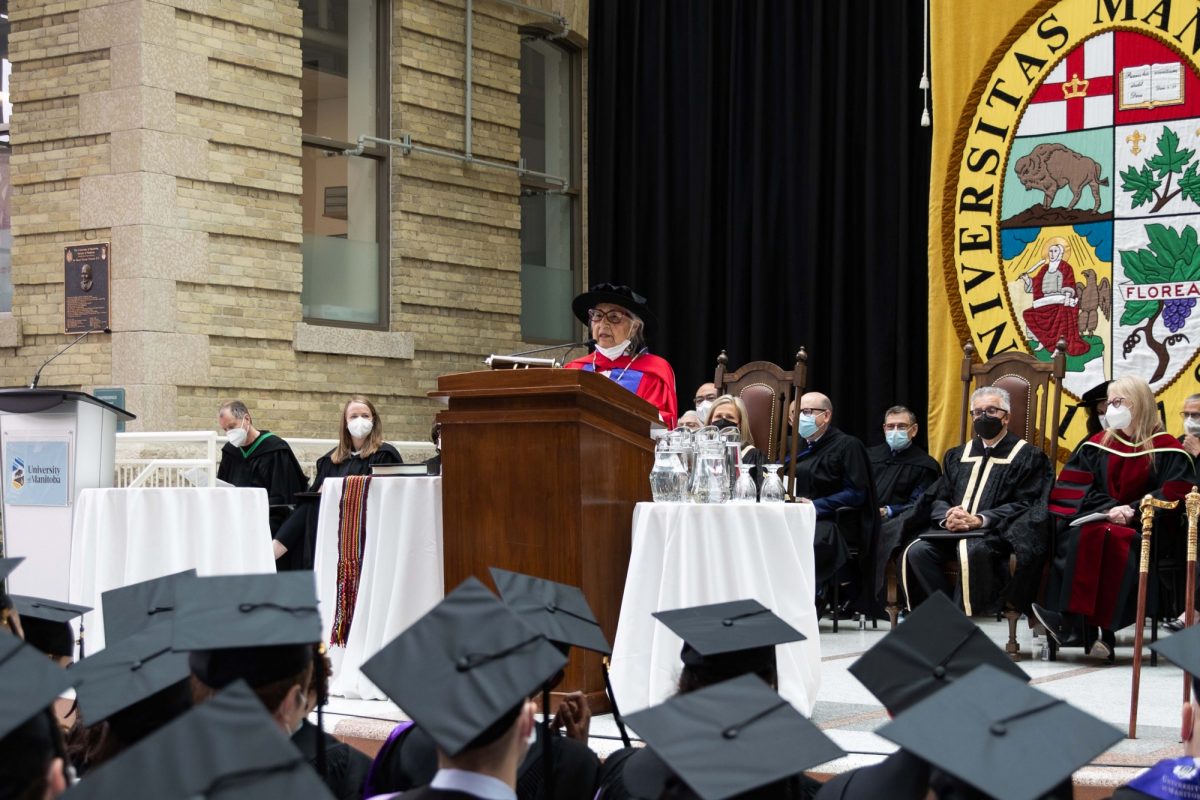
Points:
x=1148, y=505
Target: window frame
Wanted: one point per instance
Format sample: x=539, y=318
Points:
x=381, y=155
x=531, y=184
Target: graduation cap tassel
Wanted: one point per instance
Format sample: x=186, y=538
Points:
x=612, y=700
x=547, y=750
x=924, y=84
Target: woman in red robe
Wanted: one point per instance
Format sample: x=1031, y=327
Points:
x=619, y=318
x=1055, y=311
x=1094, y=581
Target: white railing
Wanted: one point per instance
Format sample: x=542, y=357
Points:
x=190, y=458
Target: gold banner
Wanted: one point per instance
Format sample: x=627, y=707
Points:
x=1065, y=195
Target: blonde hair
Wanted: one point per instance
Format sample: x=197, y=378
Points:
x=345, y=445
x=1144, y=410
x=743, y=415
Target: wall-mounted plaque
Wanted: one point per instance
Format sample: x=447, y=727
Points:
x=86, y=277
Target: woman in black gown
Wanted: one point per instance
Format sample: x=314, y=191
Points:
x=360, y=446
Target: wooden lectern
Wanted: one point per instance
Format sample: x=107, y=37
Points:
x=541, y=469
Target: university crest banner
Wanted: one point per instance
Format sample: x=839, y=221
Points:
x=1065, y=195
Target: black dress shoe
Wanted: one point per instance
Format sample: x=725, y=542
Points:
x=1056, y=627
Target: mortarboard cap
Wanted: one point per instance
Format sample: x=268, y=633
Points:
x=1182, y=649
x=131, y=608
x=744, y=631
x=556, y=610
x=127, y=673
x=29, y=683
x=1094, y=395
x=259, y=628
x=1001, y=736
x=463, y=666
x=731, y=737
x=47, y=623
x=228, y=747
x=936, y=645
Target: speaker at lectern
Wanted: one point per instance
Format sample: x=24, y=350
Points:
x=54, y=443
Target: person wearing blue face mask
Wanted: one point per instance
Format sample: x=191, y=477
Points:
x=833, y=473
x=902, y=471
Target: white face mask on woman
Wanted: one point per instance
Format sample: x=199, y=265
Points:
x=614, y=352
x=1118, y=418
x=360, y=427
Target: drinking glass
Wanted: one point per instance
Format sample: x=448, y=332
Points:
x=772, y=486
x=745, y=491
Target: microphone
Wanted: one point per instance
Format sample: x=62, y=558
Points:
x=515, y=360
x=38, y=375
x=570, y=347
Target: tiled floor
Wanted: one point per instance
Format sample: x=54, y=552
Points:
x=850, y=715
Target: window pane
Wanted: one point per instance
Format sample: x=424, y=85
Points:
x=339, y=51
x=547, y=284
x=341, y=253
x=546, y=108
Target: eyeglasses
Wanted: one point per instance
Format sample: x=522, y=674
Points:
x=1192, y=415
x=897, y=426
x=1117, y=402
x=991, y=411
x=812, y=412
x=612, y=317
x=700, y=398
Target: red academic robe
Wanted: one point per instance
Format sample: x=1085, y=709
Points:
x=1050, y=323
x=648, y=376
x=1100, y=558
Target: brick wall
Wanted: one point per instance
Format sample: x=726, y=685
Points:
x=172, y=129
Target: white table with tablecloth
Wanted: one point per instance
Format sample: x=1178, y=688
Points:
x=400, y=577
x=123, y=536
x=691, y=554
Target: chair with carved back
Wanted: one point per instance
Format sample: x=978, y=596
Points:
x=1034, y=388
x=767, y=390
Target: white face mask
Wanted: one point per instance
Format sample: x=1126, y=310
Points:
x=614, y=352
x=236, y=436
x=703, y=409
x=360, y=427
x=1192, y=426
x=1118, y=419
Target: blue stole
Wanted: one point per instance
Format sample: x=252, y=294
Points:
x=1170, y=779
x=628, y=378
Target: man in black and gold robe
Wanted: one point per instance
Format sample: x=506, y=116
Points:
x=989, y=504
x=834, y=474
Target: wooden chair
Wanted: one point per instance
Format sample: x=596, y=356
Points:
x=1035, y=389
x=767, y=390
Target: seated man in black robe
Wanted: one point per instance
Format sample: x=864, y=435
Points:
x=259, y=460
x=833, y=472
x=989, y=504
x=902, y=471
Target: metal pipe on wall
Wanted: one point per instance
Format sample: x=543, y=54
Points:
x=469, y=88
x=405, y=145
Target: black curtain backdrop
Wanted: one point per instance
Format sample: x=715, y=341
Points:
x=757, y=169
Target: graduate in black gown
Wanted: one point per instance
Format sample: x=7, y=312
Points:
x=833, y=472
x=408, y=759
x=258, y=460
x=360, y=447
x=902, y=472
x=990, y=503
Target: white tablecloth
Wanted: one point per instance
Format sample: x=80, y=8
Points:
x=122, y=536
x=689, y=555
x=401, y=572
